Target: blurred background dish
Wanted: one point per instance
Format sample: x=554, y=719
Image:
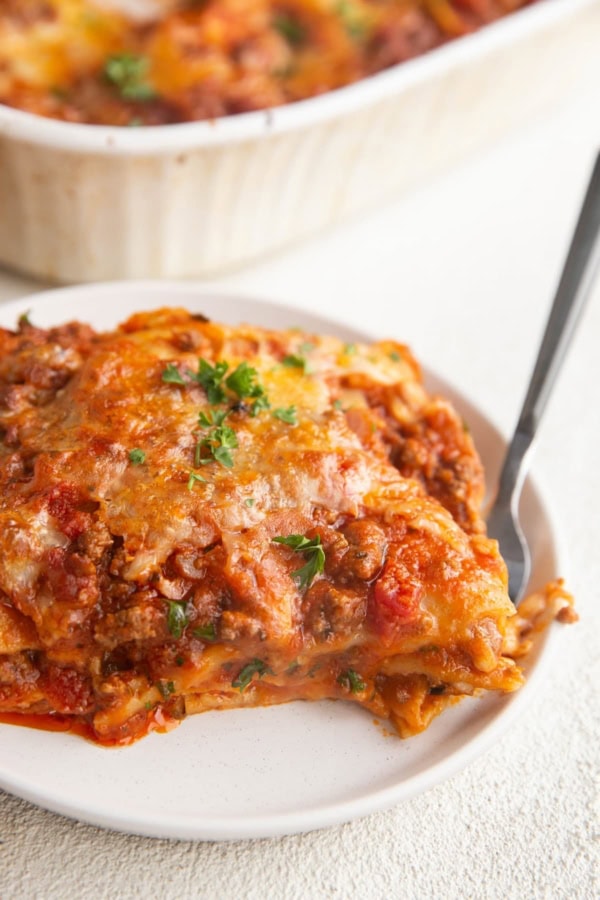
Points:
x=82, y=202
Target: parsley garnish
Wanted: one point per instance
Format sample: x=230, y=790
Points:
x=255, y=667
x=211, y=377
x=395, y=356
x=172, y=375
x=289, y=28
x=193, y=479
x=218, y=442
x=137, y=457
x=176, y=618
x=205, y=632
x=286, y=415
x=166, y=688
x=352, y=20
x=337, y=404
x=352, y=681
x=242, y=381
x=261, y=402
x=24, y=321
x=127, y=72
x=350, y=349
x=313, y=552
x=295, y=361
x=250, y=501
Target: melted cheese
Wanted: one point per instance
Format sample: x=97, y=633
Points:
x=149, y=593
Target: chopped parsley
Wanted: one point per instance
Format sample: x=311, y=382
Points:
x=194, y=477
x=137, y=457
x=176, y=618
x=296, y=361
x=313, y=553
x=245, y=676
x=395, y=356
x=286, y=415
x=211, y=377
x=172, y=375
x=215, y=439
x=216, y=446
x=352, y=681
x=127, y=72
x=337, y=404
x=166, y=688
x=352, y=20
x=349, y=349
x=24, y=321
x=289, y=28
x=205, y=632
x=250, y=501
x=261, y=403
x=242, y=381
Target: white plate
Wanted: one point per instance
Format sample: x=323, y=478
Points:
x=257, y=772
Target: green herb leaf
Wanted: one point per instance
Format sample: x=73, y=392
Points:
x=176, y=618
x=352, y=19
x=213, y=417
x=166, y=688
x=218, y=442
x=313, y=552
x=242, y=381
x=24, y=321
x=260, y=404
x=205, y=632
x=250, y=501
x=127, y=72
x=337, y=404
x=395, y=356
x=349, y=349
x=171, y=375
x=137, y=457
x=255, y=667
x=211, y=377
x=289, y=28
x=193, y=479
x=222, y=455
x=352, y=681
x=286, y=415
x=295, y=361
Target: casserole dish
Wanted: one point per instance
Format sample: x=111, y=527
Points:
x=83, y=203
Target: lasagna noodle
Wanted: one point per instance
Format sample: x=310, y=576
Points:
x=195, y=516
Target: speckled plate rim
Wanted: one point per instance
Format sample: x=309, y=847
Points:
x=87, y=303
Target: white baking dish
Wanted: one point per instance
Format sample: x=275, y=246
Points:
x=85, y=203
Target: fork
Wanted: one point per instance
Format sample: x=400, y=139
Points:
x=571, y=295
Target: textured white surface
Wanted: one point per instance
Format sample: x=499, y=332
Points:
x=462, y=270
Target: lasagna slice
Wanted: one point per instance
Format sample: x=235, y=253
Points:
x=202, y=517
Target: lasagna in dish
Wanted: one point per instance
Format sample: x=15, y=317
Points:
x=184, y=60
x=199, y=517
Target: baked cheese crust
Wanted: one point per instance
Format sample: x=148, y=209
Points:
x=86, y=61
x=195, y=516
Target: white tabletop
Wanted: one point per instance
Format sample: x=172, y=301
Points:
x=463, y=270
